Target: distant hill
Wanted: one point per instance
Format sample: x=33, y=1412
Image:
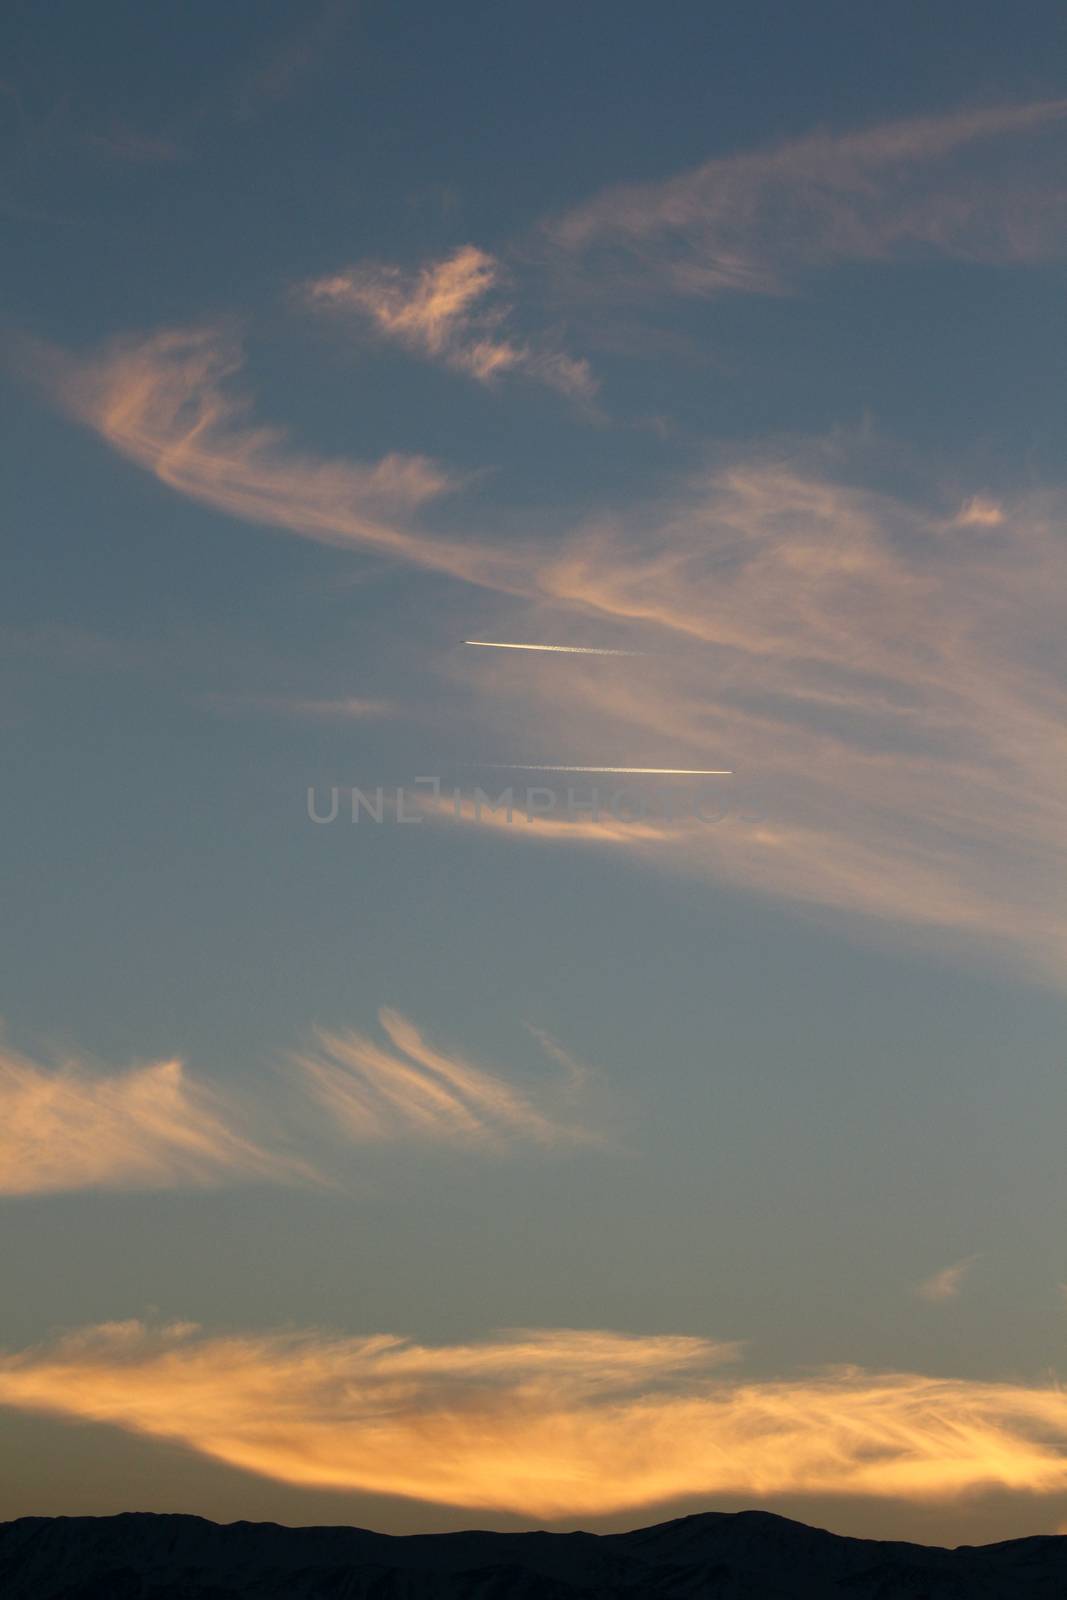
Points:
x=748, y=1555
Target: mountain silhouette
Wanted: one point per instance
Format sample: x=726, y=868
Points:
x=747, y=1555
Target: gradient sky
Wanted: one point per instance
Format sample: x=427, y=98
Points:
x=566, y=1171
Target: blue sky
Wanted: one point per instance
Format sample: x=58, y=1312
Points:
x=726, y=340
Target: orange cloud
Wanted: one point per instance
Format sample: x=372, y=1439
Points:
x=750, y=221
x=434, y=315
x=416, y=1092
x=146, y=1128
x=545, y=1423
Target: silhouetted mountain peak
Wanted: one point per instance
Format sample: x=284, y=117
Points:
x=747, y=1555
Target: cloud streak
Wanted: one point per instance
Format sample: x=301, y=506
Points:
x=546, y=1423
x=413, y=1092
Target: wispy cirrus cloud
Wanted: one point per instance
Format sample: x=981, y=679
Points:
x=152, y=1127
x=546, y=1422
x=753, y=221
x=167, y=403
x=885, y=679
x=945, y=1284
x=441, y=313
x=412, y=1091
x=76, y=1126
x=886, y=683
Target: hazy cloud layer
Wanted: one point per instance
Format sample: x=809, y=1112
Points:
x=413, y=1091
x=150, y=1127
x=753, y=221
x=546, y=1423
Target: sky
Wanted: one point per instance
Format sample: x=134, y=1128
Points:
x=444, y=1084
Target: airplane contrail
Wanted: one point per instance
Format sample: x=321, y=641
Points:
x=647, y=772
x=554, y=649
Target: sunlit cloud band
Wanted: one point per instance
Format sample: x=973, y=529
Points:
x=546, y=1423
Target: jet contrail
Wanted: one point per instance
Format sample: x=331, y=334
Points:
x=555, y=649
x=644, y=772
